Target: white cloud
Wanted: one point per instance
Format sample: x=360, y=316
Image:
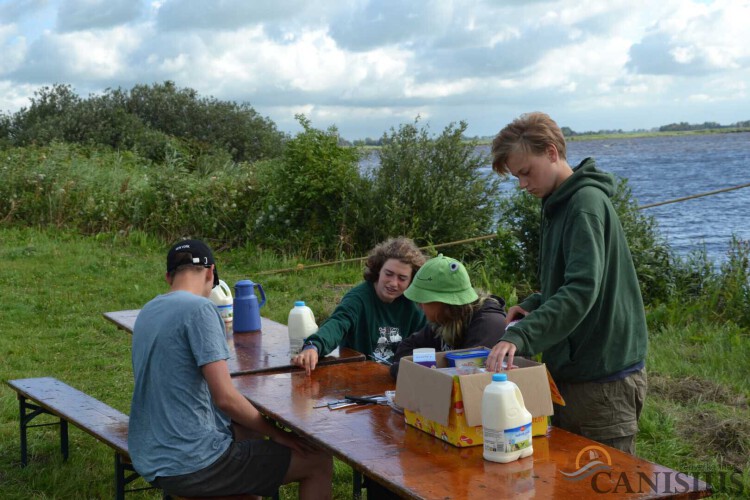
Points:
x=367, y=65
x=14, y=96
x=83, y=57
x=697, y=39
x=13, y=48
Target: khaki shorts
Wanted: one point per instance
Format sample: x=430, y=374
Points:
x=252, y=467
x=605, y=412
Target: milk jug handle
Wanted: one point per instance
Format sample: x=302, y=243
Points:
x=519, y=396
x=262, y=295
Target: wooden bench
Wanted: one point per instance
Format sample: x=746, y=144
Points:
x=47, y=395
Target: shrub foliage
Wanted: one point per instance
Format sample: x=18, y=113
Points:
x=432, y=189
x=165, y=162
x=153, y=120
x=313, y=196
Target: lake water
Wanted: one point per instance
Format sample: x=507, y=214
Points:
x=664, y=168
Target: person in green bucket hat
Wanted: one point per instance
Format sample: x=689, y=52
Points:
x=458, y=317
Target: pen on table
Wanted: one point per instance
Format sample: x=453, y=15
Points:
x=381, y=361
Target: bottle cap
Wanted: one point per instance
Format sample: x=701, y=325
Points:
x=500, y=377
x=299, y=303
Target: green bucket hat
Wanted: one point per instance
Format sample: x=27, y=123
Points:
x=441, y=279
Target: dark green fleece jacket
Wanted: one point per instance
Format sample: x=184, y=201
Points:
x=366, y=324
x=588, y=320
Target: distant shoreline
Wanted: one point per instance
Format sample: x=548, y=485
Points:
x=486, y=141
x=640, y=134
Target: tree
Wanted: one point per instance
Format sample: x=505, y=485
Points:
x=313, y=200
x=51, y=116
x=154, y=120
x=206, y=122
x=431, y=189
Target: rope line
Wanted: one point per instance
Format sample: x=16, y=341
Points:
x=301, y=267
x=700, y=195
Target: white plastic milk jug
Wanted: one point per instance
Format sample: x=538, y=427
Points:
x=506, y=421
x=301, y=324
x=221, y=295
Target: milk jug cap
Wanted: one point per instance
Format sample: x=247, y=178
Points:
x=300, y=303
x=500, y=377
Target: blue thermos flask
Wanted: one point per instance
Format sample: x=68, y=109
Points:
x=247, y=307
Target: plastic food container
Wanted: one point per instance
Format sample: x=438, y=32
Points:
x=424, y=356
x=473, y=357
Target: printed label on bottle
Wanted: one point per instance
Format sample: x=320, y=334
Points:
x=226, y=312
x=507, y=440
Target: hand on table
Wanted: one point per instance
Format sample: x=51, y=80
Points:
x=307, y=359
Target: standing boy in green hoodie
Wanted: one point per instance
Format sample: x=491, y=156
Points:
x=588, y=319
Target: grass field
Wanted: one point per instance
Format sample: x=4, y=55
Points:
x=54, y=287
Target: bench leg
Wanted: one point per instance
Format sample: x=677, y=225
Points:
x=64, y=438
x=356, y=484
x=23, y=423
x=119, y=478
x=28, y=412
x=124, y=475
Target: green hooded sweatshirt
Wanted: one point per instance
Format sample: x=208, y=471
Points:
x=588, y=320
x=366, y=324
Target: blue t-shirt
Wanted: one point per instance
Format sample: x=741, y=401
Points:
x=175, y=428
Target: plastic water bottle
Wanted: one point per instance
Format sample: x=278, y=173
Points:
x=221, y=295
x=301, y=324
x=506, y=421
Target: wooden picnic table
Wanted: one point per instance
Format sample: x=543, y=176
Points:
x=376, y=441
x=256, y=352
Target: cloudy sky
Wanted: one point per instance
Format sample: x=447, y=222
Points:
x=368, y=65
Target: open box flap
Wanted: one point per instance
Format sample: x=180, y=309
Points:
x=424, y=390
x=531, y=379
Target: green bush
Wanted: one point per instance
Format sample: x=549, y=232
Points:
x=204, y=122
x=100, y=191
x=312, y=201
x=68, y=186
x=151, y=120
x=517, y=242
x=652, y=255
x=431, y=189
x=5, y=127
x=717, y=293
x=733, y=284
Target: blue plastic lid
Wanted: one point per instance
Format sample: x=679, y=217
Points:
x=474, y=353
x=500, y=377
x=299, y=303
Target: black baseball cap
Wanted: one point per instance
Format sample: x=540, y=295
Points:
x=193, y=252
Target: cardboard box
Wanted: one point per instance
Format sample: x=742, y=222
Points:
x=450, y=406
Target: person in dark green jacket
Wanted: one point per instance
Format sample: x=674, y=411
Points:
x=374, y=316
x=588, y=320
